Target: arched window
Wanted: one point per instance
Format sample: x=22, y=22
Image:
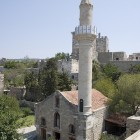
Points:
x=71, y=129
x=57, y=101
x=43, y=121
x=57, y=120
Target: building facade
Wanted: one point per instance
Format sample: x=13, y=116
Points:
x=58, y=117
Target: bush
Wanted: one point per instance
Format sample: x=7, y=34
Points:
x=26, y=111
x=108, y=137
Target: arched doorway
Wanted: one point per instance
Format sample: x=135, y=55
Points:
x=43, y=134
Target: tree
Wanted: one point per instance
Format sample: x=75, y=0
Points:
x=60, y=56
x=14, y=77
x=106, y=86
x=64, y=82
x=50, y=80
x=9, y=114
x=10, y=65
x=127, y=99
x=134, y=69
x=95, y=70
x=111, y=71
x=33, y=89
x=48, y=77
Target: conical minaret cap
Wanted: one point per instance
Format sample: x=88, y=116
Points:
x=86, y=1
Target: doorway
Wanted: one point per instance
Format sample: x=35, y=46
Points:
x=43, y=134
x=57, y=135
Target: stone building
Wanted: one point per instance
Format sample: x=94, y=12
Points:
x=58, y=116
x=71, y=66
x=1, y=82
x=102, y=43
x=134, y=57
x=75, y=115
x=133, y=125
x=17, y=92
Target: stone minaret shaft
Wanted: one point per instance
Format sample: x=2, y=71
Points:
x=85, y=36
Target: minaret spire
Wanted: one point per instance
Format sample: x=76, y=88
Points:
x=86, y=9
x=85, y=37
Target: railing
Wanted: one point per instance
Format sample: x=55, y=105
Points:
x=85, y=30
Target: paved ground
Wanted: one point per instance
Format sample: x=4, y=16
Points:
x=29, y=133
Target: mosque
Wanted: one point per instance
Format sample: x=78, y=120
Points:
x=75, y=115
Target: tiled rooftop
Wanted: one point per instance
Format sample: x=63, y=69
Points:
x=98, y=99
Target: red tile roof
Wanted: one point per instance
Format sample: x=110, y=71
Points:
x=98, y=99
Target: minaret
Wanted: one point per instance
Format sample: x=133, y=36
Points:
x=85, y=35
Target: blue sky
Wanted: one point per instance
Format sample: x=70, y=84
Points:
x=41, y=28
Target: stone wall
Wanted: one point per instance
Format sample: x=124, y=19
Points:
x=47, y=110
x=134, y=57
x=18, y=92
x=71, y=66
x=105, y=57
x=24, y=103
x=135, y=136
x=2, y=69
x=99, y=122
x=119, y=56
x=125, y=65
x=101, y=43
x=1, y=82
x=132, y=125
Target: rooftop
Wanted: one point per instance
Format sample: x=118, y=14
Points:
x=98, y=99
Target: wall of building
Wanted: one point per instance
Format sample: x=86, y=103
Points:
x=119, y=56
x=132, y=125
x=105, y=57
x=125, y=65
x=134, y=57
x=47, y=110
x=135, y=136
x=99, y=122
x=1, y=82
x=18, y=92
x=71, y=66
x=102, y=43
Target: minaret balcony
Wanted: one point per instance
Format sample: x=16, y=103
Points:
x=85, y=30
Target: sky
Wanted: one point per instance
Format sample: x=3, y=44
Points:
x=42, y=28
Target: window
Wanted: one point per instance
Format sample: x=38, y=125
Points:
x=71, y=129
x=57, y=120
x=81, y=105
x=72, y=77
x=117, y=59
x=57, y=101
x=43, y=121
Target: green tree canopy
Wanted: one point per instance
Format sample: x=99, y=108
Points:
x=111, y=71
x=127, y=100
x=64, y=82
x=9, y=114
x=33, y=89
x=134, y=69
x=62, y=55
x=96, y=70
x=106, y=86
